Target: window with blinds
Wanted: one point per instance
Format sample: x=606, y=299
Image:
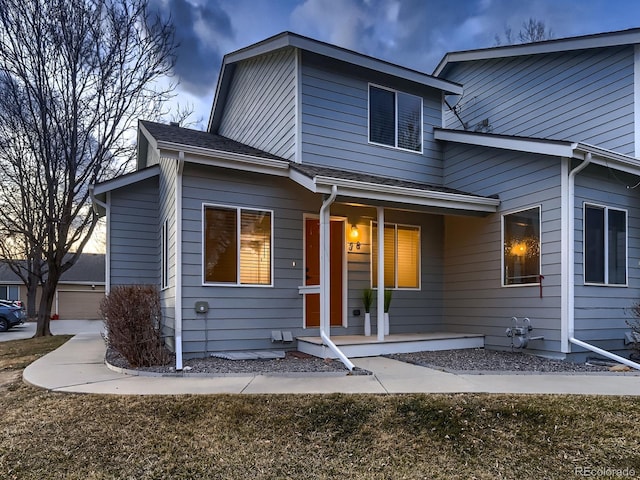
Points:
x=237, y=246
x=395, y=119
x=401, y=256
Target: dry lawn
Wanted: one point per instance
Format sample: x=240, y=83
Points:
x=49, y=435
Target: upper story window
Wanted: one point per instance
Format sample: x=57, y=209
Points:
x=521, y=247
x=605, y=245
x=237, y=246
x=395, y=119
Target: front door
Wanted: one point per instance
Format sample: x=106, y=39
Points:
x=312, y=270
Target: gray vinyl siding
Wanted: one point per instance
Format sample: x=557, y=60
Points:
x=601, y=312
x=584, y=96
x=134, y=247
x=474, y=299
x=242, y=317
x=335, y=124
x=261, y=109
x=167, y=211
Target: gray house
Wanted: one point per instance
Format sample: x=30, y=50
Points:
x=501, y=186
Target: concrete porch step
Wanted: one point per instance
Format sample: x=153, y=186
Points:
x=355, y=346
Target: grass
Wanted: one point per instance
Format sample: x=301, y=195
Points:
x=53, y=435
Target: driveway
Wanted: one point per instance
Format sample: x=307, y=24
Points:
x=58, y=327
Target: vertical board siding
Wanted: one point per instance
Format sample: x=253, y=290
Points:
x=134, y=243
x=242, y=318
x=260, y=108
x=335, y=125
x=585, y=96
x=474, y=299
x=602, y=312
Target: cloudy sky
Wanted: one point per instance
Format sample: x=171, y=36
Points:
x=413, y=33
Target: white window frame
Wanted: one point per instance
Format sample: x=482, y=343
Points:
x=502, y=243
x=606, y=245
x=395, y=259
x=239, y=210
x=15, y=288
x=395, y=146
x=164, y=259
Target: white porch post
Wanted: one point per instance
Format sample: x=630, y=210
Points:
x=380, y=302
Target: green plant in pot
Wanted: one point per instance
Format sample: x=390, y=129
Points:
x=388, y=294
x=367, y=301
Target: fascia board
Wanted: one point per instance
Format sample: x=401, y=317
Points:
x=602, y=40
x=543, y=147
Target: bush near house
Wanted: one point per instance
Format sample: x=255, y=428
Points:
x=131, y=314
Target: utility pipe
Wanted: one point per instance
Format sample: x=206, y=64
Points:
x=604, y=353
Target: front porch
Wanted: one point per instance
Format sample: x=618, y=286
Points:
x=354, y=346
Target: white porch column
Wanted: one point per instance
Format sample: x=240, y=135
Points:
x=380, y=302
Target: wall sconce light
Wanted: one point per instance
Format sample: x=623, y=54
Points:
x=353, y=237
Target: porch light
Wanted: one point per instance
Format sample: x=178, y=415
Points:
x=353, y=236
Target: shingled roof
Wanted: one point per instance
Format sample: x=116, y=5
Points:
x=312, y=171
x=175, y=134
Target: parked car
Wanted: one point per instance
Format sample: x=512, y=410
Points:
x=10, y=315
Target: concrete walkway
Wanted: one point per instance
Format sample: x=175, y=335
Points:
x=78, y=366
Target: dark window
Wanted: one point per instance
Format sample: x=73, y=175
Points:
x=395, y=119
x=605, y=245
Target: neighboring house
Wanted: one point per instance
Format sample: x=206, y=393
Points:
x=79, y=291
x=505, y=183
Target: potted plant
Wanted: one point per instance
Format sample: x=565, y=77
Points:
x=387, y=303
x=367, y=300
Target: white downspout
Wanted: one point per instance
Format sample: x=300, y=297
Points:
x=604, y=353
x=568, y=312
x=380, y=299
x=325, y=280
x=567, y=325
x=178, y=262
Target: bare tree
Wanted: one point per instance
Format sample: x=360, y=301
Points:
x=532, y=31
x=75, y=75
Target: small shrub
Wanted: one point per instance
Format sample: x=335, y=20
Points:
x=131, y=314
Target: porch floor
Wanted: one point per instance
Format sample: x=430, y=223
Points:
x=360, y=346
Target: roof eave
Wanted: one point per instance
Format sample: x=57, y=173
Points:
x=221, y=158
x=397, y=194
x=600, y=40
x=530, y=145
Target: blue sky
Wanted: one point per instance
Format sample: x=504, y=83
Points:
x=413, y=33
